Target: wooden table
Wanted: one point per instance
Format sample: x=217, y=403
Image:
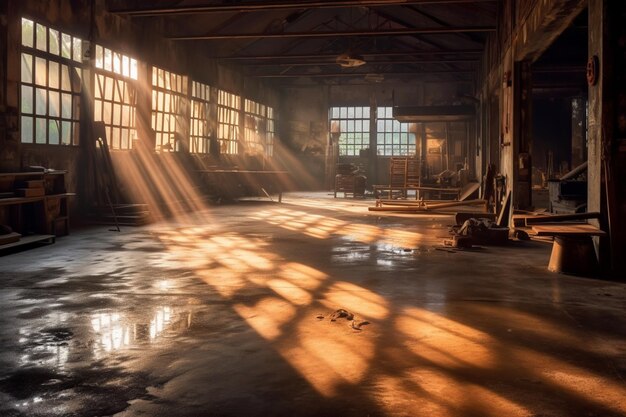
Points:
x=226, y=181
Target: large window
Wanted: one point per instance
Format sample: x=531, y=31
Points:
x=200, y=123
x=50, y=85
x=115, y=96
x=352, y=124
x=169, y=91
x=392, y=137
x=228, y=108
x=255, y=127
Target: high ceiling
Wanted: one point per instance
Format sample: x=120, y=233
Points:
x=286, y=40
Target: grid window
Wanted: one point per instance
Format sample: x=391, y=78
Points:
x=50, y=85
x=353, y=126
x=255, y=126
x=168, y=93
x=200, y=99
x=271, y=131
x=228, y=108
x=392, y=137
x=115, y=96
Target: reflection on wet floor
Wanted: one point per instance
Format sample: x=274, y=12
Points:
x=114, y=332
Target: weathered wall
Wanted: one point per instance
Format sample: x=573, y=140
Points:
x=122, y=35
x=304, y=120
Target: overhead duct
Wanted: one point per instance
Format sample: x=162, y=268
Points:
x=434, y=113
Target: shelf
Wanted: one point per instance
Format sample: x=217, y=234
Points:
x=25, y=200
x=30, y=174
x=26, y=240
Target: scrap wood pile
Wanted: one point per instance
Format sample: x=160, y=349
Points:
x=418, y=206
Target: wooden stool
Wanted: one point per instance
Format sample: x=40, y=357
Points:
x=573, y=251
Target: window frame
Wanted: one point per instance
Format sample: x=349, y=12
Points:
x=340, y=116
x=199, y=127
x=123, y=95
x=228, y=104
x=395, y=138
x=68, y=85
x=169, y=91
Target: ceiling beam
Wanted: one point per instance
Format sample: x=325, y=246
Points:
x=259, y=6
x=387, y=62
x=354, y=33
x=360, y=74
x=365, y=54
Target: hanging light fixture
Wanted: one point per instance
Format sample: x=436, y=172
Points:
x=348, y=60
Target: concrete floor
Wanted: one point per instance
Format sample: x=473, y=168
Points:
x=227, y=313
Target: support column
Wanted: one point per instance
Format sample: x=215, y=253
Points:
x=372, y=174
x=522, y=135
x=607, y=129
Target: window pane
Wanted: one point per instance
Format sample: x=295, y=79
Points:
x=65, y=78
x=125, y=66
x=27, y=68
x=41, y=37
x=40, y=71
x=40, y=130
x=53, y=74
x=99, y=57
x=27, y=36
x=27, y=99
x=66, y=46
x=77, y=48
x=27, y=129
x=40, y=101
x=66, y=106
x=66, y=133
x=54, y=104
x=53, y=132
x=108, y=59
x=54, y=42
x=117, y=63
x=133, y=69
x=97, y=110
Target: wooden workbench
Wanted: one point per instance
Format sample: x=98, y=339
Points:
x=228, y=181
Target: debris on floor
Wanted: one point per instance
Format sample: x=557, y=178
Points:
x=478, y=231
x=341, y=313
x=355, y=323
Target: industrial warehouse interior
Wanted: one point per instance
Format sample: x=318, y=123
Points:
x=313, y=208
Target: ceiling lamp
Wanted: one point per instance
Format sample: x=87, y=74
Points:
x=350, y=60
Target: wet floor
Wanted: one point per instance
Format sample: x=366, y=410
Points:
x=229, y=312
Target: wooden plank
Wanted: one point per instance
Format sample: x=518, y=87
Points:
x=568, y=230
x=411, y=203
x=428, y=207
x=503, y=216
x=561, y=217
x=468, y=190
